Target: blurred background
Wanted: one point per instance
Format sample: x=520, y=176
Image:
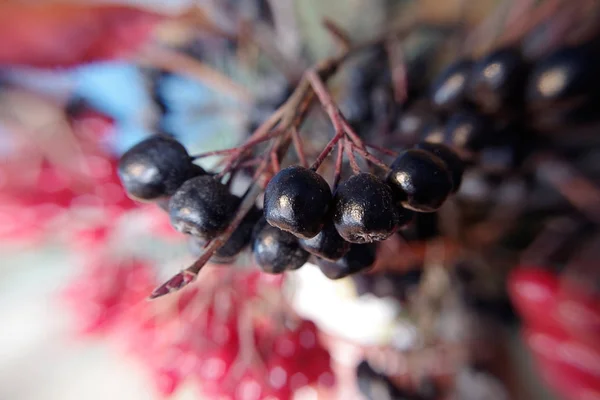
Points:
x=493, y=297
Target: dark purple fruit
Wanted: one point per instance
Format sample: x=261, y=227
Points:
x=297, y=200
x=328, y=244
x=448, y=90
x=202, y=207
x=360, y=258
x=433, y=132
x=564, y=78
x=364, y=209
x=276, y=251
x=498, y=80
x=155, y=168
x=468, y=130
x=411, y=124
x=420, y=180
x=238, y=241
x=455, y=164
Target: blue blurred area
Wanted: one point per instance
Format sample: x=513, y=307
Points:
x=120, y=90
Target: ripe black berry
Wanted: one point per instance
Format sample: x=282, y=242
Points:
x=297, y=200
x=328, y=244
x=455, y=165
x=564, y=78
x=420, y=180
x=155, y=167
x=202, y=207
x=239, y=239
x=448, y=90
x=498, y=80
x=468, y=130
x=275, y=250
x=364, y=209
x=360, y=258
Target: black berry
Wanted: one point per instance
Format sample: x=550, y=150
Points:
x=364, y=209
x=498, y=81
x=202, y=207
x=360, y=258
x=328, y=244
x=564, y=78
x=448, y=90
x=238, y=241
x=455, y=164
x=297, y=200
x=420, y=180
x=275, y=250
x=468, y=130
x=155, y=168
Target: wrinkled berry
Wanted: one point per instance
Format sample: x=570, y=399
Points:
x=297, y=200
x=364, y=209
x=202, y=207
x=328, y=244
x=360, y=258
x=275, y=250
x=420, y=180
x=155, y=168
x=453, y=161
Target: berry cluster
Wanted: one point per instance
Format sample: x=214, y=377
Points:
x=211, y=334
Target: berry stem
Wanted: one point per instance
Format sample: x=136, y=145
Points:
x=369, y=157
x=240, y=149
x=338, y=33
x=328, y=148
x=580, y=192
x=298, y=147
x=554, y=234
x=338, y=164
x=383, y=150
x=351, y=158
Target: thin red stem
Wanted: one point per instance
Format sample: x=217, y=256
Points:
x=274, y=161
x=298, y=147
x=338, y=136
x=237, y=151
x=383, y=150
x=326, y=100
x=338, y=165
x=358, y=142
x=351, y=158
x=370, y=158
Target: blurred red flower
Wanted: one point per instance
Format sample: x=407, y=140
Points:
x=64, y=35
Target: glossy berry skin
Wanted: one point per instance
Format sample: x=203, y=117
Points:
x=564, y=78
x=328, y=244
x=276, y=251
x=297, y=200
x=239, y=240
x=498, y=80
x=155, y=168
x=448, y=90
x=468, y=130
x=455, y=164
x=361, y=257
x=364, y=209
x=375, y=386
x=420, y=180
x=202, y=207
